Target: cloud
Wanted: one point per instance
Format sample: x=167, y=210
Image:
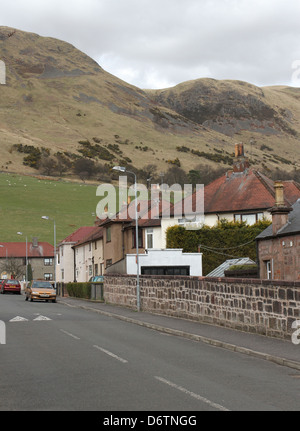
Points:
x=163, y=42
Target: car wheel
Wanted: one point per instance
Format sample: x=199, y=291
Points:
x=53, y=300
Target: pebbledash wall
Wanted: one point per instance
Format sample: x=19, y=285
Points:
x=267, y=307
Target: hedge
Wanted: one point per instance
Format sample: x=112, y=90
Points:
x=79, y=290
x=226, y=240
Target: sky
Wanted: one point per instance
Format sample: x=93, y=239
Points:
x=161, y=43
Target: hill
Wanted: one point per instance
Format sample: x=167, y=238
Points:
x=58, y=101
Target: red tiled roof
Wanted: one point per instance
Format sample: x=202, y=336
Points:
x=79, y=234
x=243, y=191
x=94, y=234
x=18, y=249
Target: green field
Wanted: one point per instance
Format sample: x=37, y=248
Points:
x=24, y=200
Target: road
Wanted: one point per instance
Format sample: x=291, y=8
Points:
x=58, y=358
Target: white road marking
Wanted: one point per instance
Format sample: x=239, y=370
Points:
x=70, y=335
x=192, y=394
x=19, y=319
x=41, y=318
x=111, y=354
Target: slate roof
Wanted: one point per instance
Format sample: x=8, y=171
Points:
x=291, y=228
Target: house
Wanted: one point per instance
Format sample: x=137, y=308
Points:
x=65, y=271
x=119, y=236
x=242, y=194
x=88, y=255
x=279, y=245
x=119, y=244
x=40, y=257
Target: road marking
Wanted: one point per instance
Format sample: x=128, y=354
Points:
x=111, y=354
x=41, y=318
x=70, y=335
x=192, y=394
x=19, y=319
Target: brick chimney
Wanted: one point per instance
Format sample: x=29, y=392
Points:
x=280, y=211
x=240, y=162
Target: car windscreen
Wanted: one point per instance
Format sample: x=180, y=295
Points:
x=42, y=285
x=12, y=282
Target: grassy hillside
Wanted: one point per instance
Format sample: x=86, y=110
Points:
x=56, y=96
x=24, y=200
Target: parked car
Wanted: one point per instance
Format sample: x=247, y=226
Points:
x=40, y=289
x=12, y=286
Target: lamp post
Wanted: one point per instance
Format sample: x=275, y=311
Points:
x=26, y=252
x=124, y=170
x=54, y=229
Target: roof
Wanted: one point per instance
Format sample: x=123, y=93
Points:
x=150, y=213
x=219, y=271
x=78, y=235
x=245, y=191
x=18, y=249
x=292, y=227
x=94, y=234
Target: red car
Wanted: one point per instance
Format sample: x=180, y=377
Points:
x=12, y=286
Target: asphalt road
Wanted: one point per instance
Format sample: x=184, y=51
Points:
x=58, y=358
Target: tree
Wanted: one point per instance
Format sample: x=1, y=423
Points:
x=13, y=266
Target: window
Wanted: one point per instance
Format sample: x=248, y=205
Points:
x=268, y=265
x=250, y=219
x=108, y=234
x=96, y=268
x=165, y=270
x=149, y=238
x=90, y=270
x=62, y=274
x=140, y=238
x=48, y=277
x=108, y=262
x=48, y=261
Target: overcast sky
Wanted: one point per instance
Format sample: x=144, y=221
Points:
x=160, y=43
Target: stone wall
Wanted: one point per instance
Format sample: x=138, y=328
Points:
x=266, y=307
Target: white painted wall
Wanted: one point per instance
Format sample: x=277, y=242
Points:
x=167, y=257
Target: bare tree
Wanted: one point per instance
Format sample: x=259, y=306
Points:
x=13, y=266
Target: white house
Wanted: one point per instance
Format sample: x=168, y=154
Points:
x=65, y=270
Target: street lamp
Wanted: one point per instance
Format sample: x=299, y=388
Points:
x=26, y=277
x=54, y=228
x=124, y=170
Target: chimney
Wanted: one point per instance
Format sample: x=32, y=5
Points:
x=240, y=163
x=35, y=242
x=280, y=211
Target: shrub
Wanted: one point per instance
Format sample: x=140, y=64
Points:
x=79, y=290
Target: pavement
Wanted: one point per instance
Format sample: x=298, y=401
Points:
x=281, y=352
